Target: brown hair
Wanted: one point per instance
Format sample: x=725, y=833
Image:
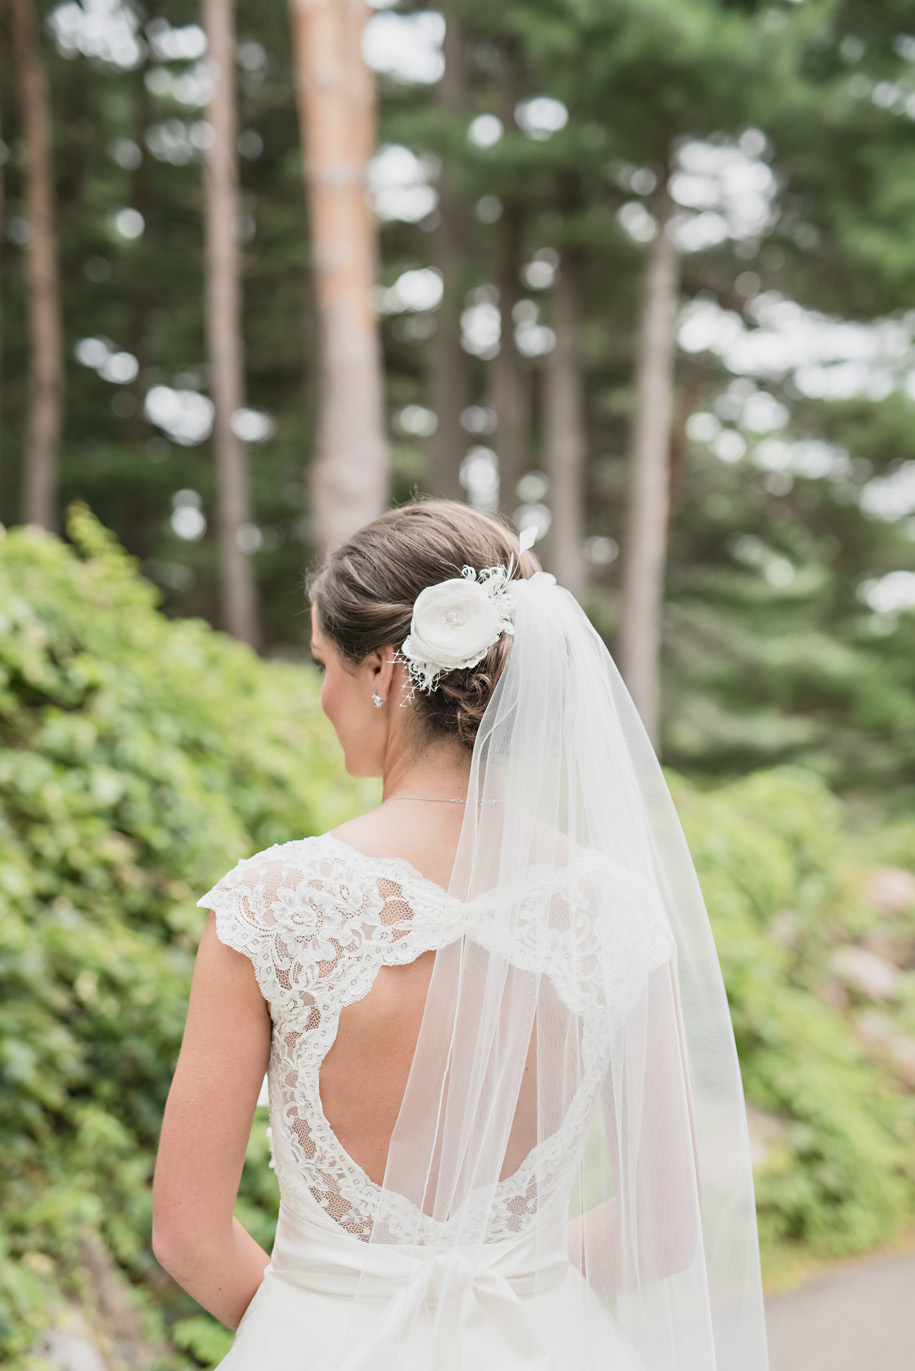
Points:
x=364, y=592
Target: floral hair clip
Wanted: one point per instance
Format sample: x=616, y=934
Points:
x=456, y=622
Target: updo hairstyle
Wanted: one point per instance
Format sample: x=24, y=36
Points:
x=364, y=593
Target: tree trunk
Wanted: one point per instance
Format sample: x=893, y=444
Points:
x=46, y=369
x=142, y=298
x=135, y=515
x=450, y=389
x=349, y=471
x=510, y=385
x=649, y=480
x=238, y=596
x=511, y=395
x=565, y=438
x=2, y=274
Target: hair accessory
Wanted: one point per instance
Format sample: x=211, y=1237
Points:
x=528, y=537
x=456, y=622
x=377, y=701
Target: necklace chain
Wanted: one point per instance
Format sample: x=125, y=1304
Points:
x=437, y=799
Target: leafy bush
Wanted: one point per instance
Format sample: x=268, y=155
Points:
x=139, y=758
x=783, y=884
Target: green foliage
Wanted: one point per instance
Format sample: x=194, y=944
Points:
x=139, y=758
x=778, y=870
x=205, y=1340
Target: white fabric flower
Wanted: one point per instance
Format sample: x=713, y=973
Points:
x=456, y=622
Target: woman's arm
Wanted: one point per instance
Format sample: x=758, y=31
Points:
x=205, y=1133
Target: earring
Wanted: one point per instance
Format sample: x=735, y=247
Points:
x=377, y=701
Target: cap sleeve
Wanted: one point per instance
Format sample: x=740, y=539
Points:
x=257, y=908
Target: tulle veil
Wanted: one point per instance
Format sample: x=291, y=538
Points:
x=576, y=1070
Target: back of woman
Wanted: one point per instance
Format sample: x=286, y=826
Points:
x=500, y=1061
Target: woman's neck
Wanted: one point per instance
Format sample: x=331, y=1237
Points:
x=443, y=773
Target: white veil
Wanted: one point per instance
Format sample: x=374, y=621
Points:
x=575, y=1071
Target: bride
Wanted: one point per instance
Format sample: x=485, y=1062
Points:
x=505, y=1103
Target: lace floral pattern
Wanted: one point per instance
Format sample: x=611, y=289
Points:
x=318, y=919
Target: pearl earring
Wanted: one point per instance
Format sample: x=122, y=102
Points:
x=377, y=701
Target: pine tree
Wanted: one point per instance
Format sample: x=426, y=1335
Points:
x=224, y=324
x=349, y=468
x=564, y=432
x=46, y=371
x=450, y=385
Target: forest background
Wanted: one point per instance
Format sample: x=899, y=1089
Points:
x=642, y=277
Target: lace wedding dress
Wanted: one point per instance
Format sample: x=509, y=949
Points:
x=318, y=919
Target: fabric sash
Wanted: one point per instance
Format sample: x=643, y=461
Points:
x=472, y=1302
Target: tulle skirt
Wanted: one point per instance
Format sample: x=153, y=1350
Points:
x=329, y=1302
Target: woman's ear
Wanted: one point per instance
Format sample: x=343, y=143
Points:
x=383, y=669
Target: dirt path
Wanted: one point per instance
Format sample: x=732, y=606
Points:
x=859, y=1316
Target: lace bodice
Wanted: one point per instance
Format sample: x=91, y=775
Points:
x=318, y=919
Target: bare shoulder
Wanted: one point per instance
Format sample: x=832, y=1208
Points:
x=426, y=840
x=363, y=832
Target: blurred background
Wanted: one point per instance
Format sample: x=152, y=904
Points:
x=639, y=275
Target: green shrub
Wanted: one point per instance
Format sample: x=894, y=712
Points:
x=139, y=759
x=776, y=846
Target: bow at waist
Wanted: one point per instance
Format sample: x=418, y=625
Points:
x=467, y=1302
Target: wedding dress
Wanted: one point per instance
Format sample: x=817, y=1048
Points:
x=568, y=1183
x=318, y=919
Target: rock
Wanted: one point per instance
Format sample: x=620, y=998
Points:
x=834, y=995
x=865, y=972
x=106, y=1331
x=874, y=1029
x=68, y=1351
x=893, y=945
x=891, y=889
x=904, y=1060
x=877, y=1033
